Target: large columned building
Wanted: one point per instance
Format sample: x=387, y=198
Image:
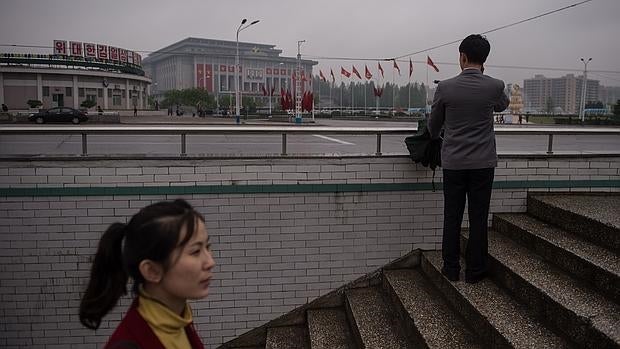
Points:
x=209, y=64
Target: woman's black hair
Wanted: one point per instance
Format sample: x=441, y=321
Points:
x=152, y=233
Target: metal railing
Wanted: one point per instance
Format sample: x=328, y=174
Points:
x=184, y=131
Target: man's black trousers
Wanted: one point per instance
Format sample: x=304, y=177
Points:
x=475, y=185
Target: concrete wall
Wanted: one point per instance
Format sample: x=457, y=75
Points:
x=284, y=231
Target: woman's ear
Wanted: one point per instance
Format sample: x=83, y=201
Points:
x=151, y=271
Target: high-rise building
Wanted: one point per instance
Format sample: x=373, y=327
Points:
x=209, y=64
x=558, y=95
x=609, y=94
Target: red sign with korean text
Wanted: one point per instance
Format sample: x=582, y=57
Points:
x=102, y=51
x=90, y=50
x=76, y=48
x=60, y=47
x=122, y=55
x=113, y=53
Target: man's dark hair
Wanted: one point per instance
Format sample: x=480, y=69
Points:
x=476, y=47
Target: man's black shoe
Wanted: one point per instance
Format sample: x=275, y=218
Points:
x=475, y=279
x=450, y=276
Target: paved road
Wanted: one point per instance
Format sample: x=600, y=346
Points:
x=271, y=144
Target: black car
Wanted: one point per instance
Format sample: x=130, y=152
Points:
x=59, y=114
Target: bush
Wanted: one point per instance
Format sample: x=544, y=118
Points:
x=34, y=103
x=88, y=103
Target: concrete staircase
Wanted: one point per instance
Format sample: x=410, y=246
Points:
x=554, y=282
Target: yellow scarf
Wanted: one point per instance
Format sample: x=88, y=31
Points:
x=168, y=326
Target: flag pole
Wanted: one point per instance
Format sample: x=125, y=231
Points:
x=393, y=92
x=312, y=91
x=409, y=98
x=341, y=96
x=351, y=96
x=426, y=93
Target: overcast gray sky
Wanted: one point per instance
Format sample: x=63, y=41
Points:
x=343, y=28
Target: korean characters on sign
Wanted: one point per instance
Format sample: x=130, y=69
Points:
x=102, y=51
x=60, y=47
x=76, y=48
x=90, y=50
x=113, y=53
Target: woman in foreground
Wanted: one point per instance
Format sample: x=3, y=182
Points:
x=165, y=250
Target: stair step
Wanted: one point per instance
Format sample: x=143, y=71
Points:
x=287, y=337
x=583, y=315
x=594, y=217
x=596, y=265
x=371, y=320
x=428, y=316
x=328, y=329
x=496, y=317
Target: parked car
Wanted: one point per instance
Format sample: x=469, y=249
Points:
x=59, y=114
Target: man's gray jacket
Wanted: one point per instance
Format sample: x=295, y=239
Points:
x=464, y=106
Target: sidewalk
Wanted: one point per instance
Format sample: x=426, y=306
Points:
x=209, y=120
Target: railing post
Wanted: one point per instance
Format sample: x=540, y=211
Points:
x=84, y=145
x=550, y=145
x=378, y=144
x=183, y=145
x=284, y=144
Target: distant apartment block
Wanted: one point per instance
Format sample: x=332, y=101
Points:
x=609, y=94
x=562, y=95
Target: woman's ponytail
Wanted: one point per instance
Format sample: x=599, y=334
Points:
x=108, y=278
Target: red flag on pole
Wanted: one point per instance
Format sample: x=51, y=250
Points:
x=262, y=87
x=273, y=89
x=410, y=67
x=396, y=67
x=345, y=72
x=322, y=76
x=357, y=73
x=303, y=76
x=331, y=71
x=381, y=69
x=429, y=61
x=367, y=73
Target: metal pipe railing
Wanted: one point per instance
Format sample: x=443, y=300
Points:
x=185, y=130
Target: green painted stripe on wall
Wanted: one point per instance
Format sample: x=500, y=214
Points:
x=289, y=188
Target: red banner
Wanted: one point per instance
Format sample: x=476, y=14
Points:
x=200, y=75
x=209, y=77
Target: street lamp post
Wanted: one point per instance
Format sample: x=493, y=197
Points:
x=238, y=68
x=582, y=107
x=298, y=83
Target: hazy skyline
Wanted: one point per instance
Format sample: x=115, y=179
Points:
x=356, y=29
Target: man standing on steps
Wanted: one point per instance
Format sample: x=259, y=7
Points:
x=463, y=107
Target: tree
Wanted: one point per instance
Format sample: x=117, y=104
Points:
x=595, y=105
x=617, y=108
x=88, y=103
x=34, y=103
x=191, y=97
